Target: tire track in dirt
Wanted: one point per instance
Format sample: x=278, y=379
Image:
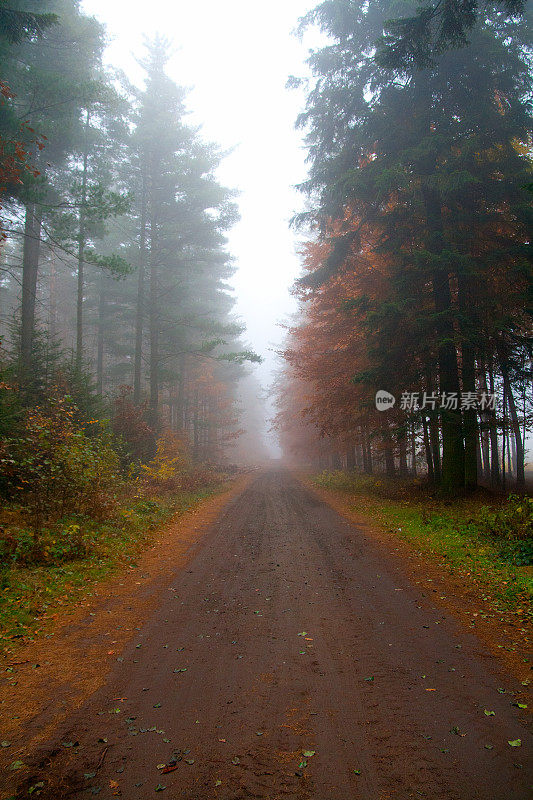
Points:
x=288, y=632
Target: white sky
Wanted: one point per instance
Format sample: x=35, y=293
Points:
x=236, y=56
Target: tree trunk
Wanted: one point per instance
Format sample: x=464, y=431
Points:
x=82, y=238
x=413, y=450
x=30, y=269
x=402, y=447
x=504, y=430
x=469, y=323
x=493, y=429
x=359, y=455
x=367, y=452
x=387, y=446
x=478, y=458
x=212, y=440
x=427, y=447
x=453, y=454
x=154, y=321
x=139, y=313
x=181, y=393
x=434, y=434
x=470, y=424
x=52, y=309
x=100, y=337
x=485, y=449
x=518, y=441
x=484, y=426
x=515, y=426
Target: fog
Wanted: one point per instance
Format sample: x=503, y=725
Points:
x=236, y=60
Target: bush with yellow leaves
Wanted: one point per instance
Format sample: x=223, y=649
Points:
x=170, y=466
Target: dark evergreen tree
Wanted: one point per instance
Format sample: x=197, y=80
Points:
x=431, y=161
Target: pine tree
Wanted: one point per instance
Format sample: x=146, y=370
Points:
x=429, y=162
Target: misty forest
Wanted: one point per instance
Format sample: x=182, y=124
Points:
x=366, y=463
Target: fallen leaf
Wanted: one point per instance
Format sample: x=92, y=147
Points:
x=515, y=742
x=309, y=753
x=456, y=730
x=489, y=713
x=169, y=768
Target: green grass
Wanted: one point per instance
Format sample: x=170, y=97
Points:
x=75, y=554
x=486, y=541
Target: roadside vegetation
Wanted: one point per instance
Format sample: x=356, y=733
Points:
x=485, y=539
x=82, y=496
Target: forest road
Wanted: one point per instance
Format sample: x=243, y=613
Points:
x=293, y=660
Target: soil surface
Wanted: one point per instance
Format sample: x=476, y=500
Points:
x=292, y=659
x=507, y=633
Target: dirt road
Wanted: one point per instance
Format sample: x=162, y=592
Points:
x=290, y=633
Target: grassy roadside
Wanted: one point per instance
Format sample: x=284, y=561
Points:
x=486, y=543
x=79, y=555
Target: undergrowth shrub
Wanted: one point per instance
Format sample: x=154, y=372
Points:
x=170, y=465
x=128, y=422
x=513, y=521
x=511, y=529
x=376, y=485
x=172, y=470
x=54, y=467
